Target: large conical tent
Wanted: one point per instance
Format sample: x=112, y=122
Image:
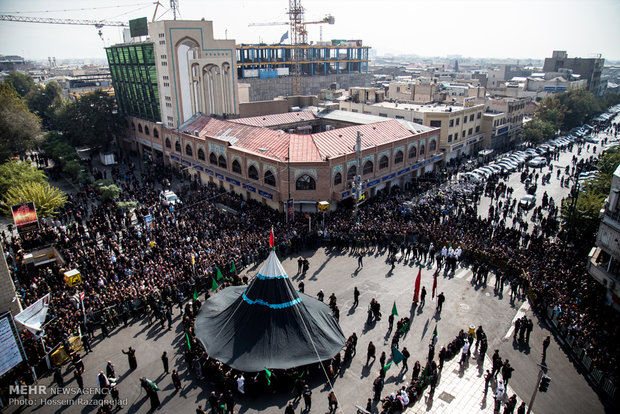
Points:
x=267, y=324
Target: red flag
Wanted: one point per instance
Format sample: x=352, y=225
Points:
x=416, y=294
x=434, y=284
x=271, y=244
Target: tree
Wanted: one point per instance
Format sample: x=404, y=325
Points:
x=551, y=110
x=580, y=105
x=13, y=173
x=47, y=199
x=109, y=192
x=45, y=102
x=537, y=131
x=581, y=221
x=21, y=82
x=91, y=120
x=18, y=126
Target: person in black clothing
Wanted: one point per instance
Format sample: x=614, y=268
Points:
x=289, y=409
x=422, y=296
x=356, y=296
x=440, y=300
x=546, y=343
x=213, y=402
x=176, y=380
x=360, y=263
x=109, y=370
x=131, y=357
x=77, y=374
x=307, y=398
x=164, y=360
x=58, y=377
x=301, y=286
x=86, y=343
x=406, y=356
x=377, y=386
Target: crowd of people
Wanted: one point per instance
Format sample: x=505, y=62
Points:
x=132, y=268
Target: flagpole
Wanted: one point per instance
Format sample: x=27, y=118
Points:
x=83, y=309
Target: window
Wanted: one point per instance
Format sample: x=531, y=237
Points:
x=398, y=158
x=162, y=35
x=163, y=56
x=421, y=149
x=413, y=152
x=384, y=163
x=188, y=150
x=133, y=126
x=177, y=146
x=458, y=120
x=352, y=172
x=140, y=128
x=164, y=63
x=212, y=159
x=452, y=122
x=252, y=173
x=168, y=105
x=368, y=168
x=270, y=179
x=470, y=131
x=471, y=117
x=162, y=42
x=383, y=115
x=201, y=154
x=465, y=119
x=146, y=130
x=168, y=145
x=337, y=179
x=305, y=182
x=450, y=138
x=166, y=84
x=456, y=136
x=156, y=133
x=432, y=146
x=236, y=167
x=165, y=77
x=479, y=115
x=436, y=124
x=221, y=161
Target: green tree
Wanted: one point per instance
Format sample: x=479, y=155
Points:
x=13, y=173
x=19, y=128
x=581, y=220
x=109, y=192
x=21, y=82
x=537, y=131
x=551, y=110
x=580, y=104
x=91, y=121
x=45, y=102
x=47, y=199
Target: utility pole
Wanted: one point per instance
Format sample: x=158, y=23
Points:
x=358, y=175
x=540, y=375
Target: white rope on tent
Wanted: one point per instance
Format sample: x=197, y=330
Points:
x=318, y=357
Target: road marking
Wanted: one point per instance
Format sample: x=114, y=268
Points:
x=524, y=308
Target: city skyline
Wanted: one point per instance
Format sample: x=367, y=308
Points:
x=475, y=29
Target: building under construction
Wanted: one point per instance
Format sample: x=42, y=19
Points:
x=270, y=69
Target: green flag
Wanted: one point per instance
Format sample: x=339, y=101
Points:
x=195, y=294
x=154, y=386
x=397, y=356
x=404, y=328
x=189, y=345
x=435, y=334
x=268, y=375
x=394, y=311
x=219, y=274
x=233, y=268
x=387, y=366
x=214, y=286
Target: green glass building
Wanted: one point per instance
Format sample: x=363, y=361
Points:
x=134, y=77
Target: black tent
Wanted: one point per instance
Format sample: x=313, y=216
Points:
x=267, y=324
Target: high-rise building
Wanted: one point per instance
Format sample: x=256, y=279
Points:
x=589, y=68
x=180, y=70
x=604, y=259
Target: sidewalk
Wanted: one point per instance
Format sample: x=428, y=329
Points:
x=462, y=391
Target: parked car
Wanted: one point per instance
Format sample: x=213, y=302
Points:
x=527, y=202
x=537, y=162
x=168, y=198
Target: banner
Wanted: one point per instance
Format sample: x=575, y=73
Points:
x=290, y=210
x=33, y=317
x=25, y=217
x=10, y=354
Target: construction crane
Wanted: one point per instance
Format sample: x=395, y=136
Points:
x=97, y=23
x=298, y=34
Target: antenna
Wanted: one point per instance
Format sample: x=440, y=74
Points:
x=174, y=5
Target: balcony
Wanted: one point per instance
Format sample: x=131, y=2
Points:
x=605, y=269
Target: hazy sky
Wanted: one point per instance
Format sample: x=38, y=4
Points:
x=473, y=28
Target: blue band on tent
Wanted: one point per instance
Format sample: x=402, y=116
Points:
x=272, y=306
x=261, y=277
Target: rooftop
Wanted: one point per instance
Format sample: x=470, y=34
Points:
x=301, y=147
x=419, y=107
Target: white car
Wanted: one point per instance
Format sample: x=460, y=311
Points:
x=168, y=198
x=527, y=202
x=537, y=162
x=473, y=177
